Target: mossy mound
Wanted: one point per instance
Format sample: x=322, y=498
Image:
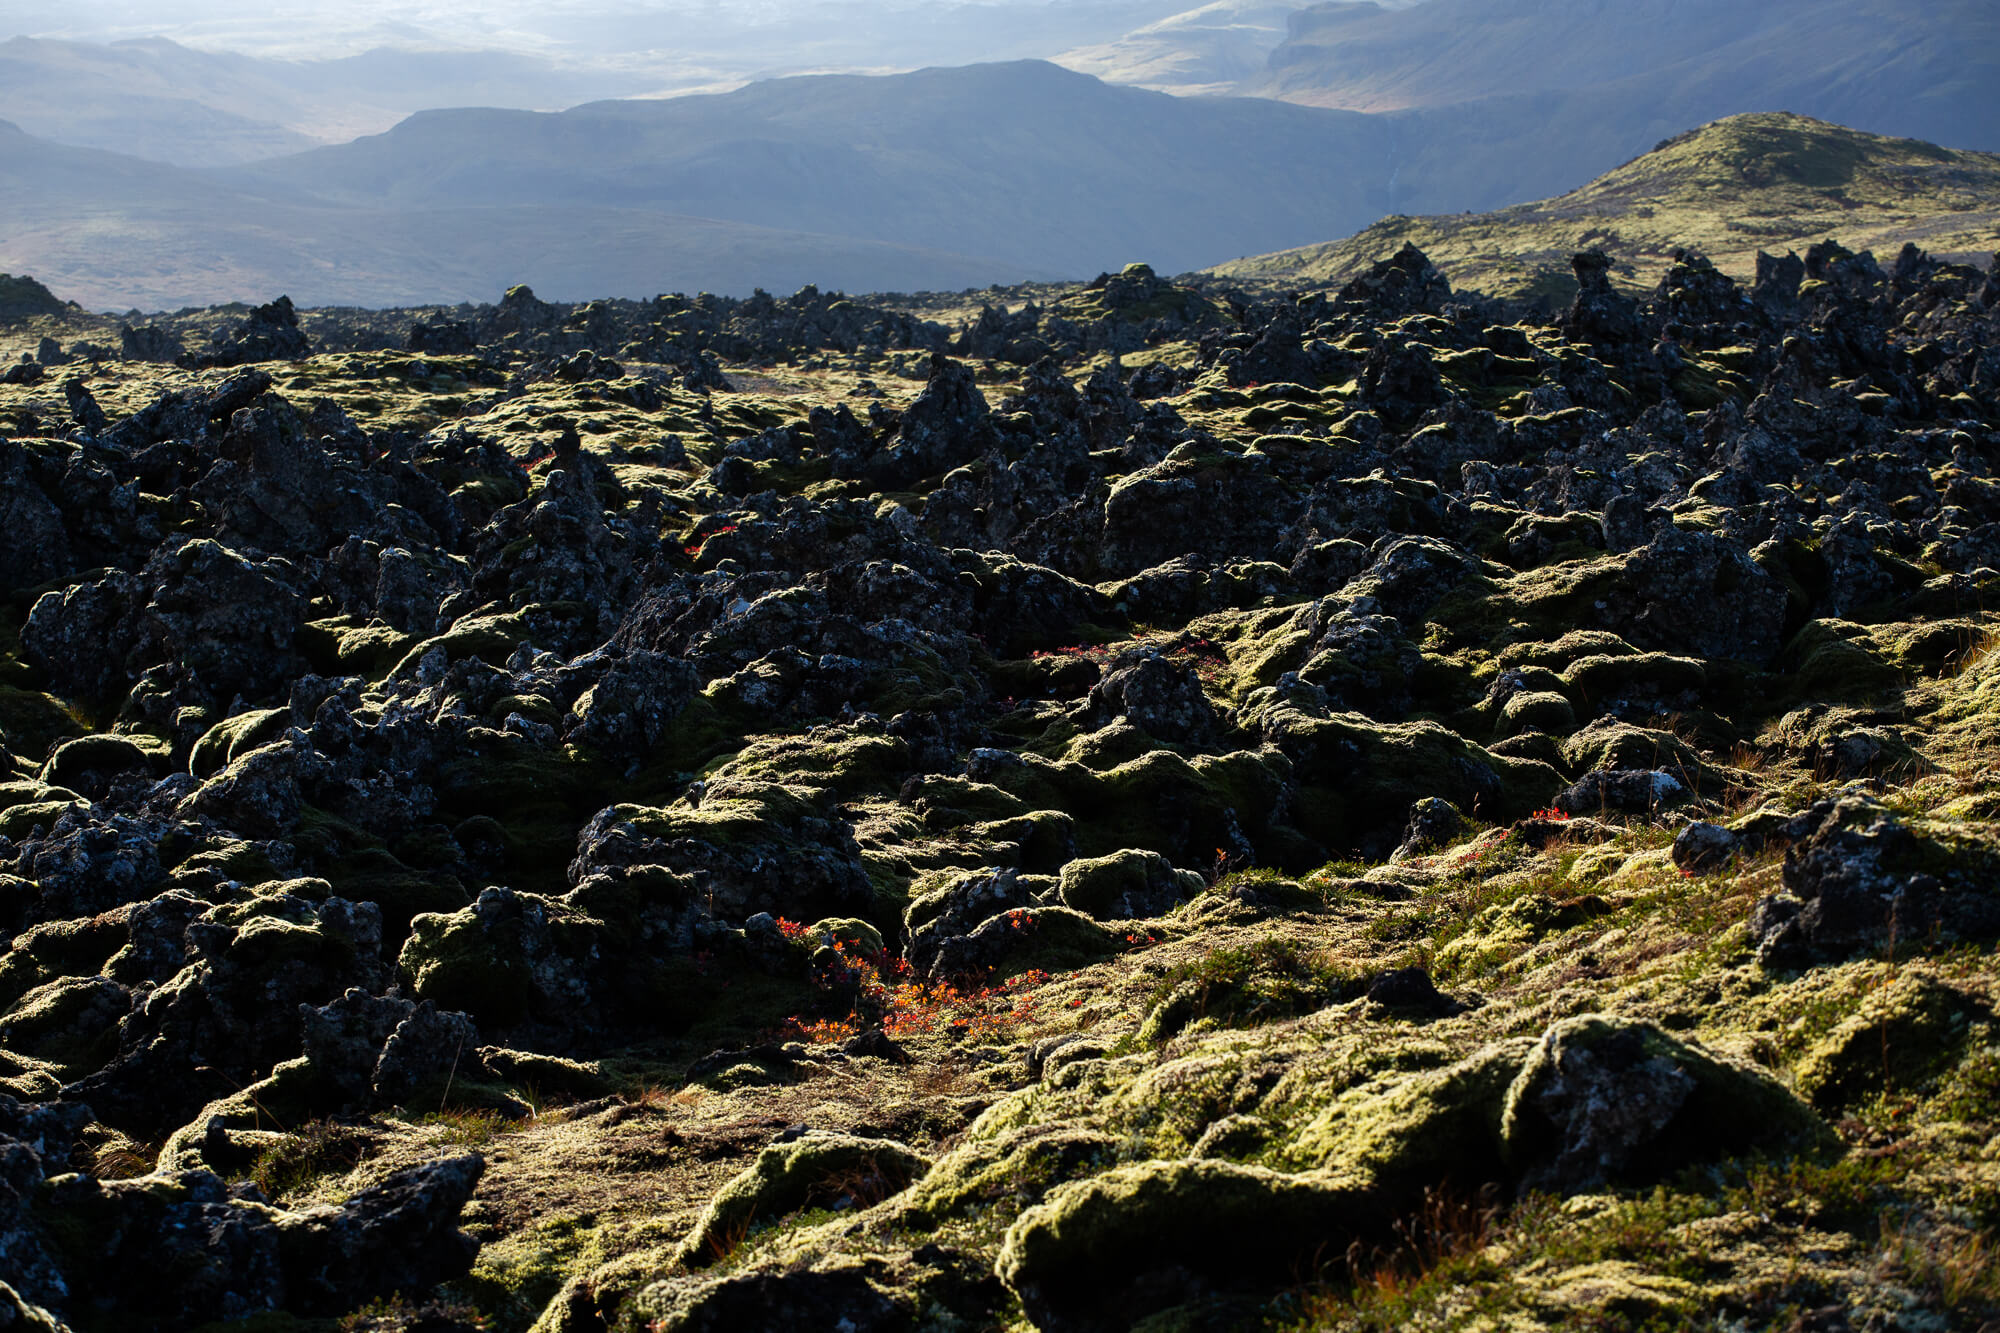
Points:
x=1089, y=1251
x=832, y=1171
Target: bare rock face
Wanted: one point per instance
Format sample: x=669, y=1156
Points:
x=944, y=428
x=23, y=298
x=176, y=1250
x=1858, y=879
x=400, y=1235
x=1602, y=1099
x=1162, y=698
x=270, y=333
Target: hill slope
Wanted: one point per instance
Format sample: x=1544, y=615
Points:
x=1208, y=51
x=1927, y=68
x=1024, y=163
x=1730, y=189
x=944, y=178
x=113, y=232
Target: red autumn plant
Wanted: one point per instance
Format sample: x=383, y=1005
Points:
x=888, y=994
x=694, y=548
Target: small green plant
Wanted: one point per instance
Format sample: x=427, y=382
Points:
x=1258, y=983
x=474, y=1128
x=396, y=1314
x=1956, y=1268
x=316, y=1149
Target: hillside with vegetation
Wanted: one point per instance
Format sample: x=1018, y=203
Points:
x=1732, y=189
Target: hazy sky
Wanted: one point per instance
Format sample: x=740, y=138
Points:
x=604, y=31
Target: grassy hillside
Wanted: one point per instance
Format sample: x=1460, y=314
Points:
x=1730, y=189
x=1492, y=103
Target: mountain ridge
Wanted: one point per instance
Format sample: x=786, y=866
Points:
x=1024, y=163
x=1917, y=68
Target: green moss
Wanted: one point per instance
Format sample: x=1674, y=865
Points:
x=1835, y=660
x=352, y=645
x=1599, y=679
x=1255, y=983
x=1084, y=1253
x=840, y=763
x=490, y=638
x=858, y=936
x=1159, y=802
x=1056, y=939
x=1015, y=1169
x=1501, y=934
x=33, y=792
x=31, y=722
x=314, y=1150
x=950, y=802
x=1900, y=1039
x=1118, y=886
x=816, y=1170
x=518, y=1275
x=1421, y=1130
x=1530, y=710
x=227, y=741
x=546, y=1077
x=70, y=1022
x=70, y=761
x=460, y=962
x=20, y=818
x=288, y=1096
x=1360, y=777
x=233, y=859
x=1610, y=744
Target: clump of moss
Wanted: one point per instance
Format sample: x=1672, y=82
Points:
x=816, y=1170
x=1242, y=987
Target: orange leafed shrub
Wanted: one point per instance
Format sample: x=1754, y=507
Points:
x=902, y=1004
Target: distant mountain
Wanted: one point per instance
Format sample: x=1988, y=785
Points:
x=1924, y=68
x=1556, y=91
x=1033, y=167
x=1749, y=183
x=942, y=178
x=113, y=232
x=1216, y=49
x=1209, y=51
x=169, y=103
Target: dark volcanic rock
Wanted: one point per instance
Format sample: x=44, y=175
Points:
x=269, y=333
